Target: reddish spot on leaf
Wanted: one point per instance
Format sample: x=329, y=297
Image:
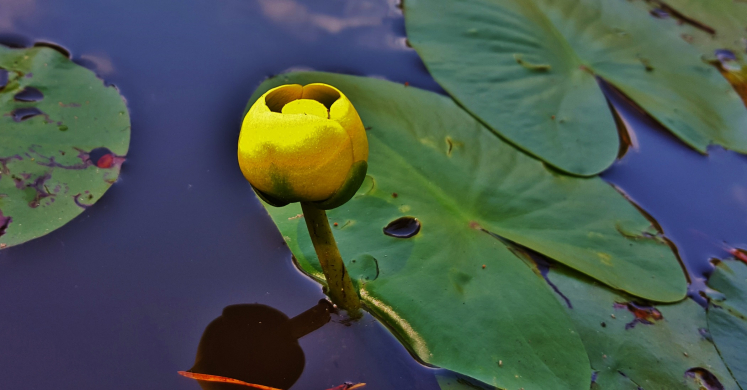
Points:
x=105, y=161
x=740, y=254
x=643, y=314
x=101, y=157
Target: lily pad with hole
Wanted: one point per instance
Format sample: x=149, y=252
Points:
x=65, y=135
x=727, y=316
x=447, y=192
x=635, y=344
x=529, y=70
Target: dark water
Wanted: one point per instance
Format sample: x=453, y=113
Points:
x=119, y=298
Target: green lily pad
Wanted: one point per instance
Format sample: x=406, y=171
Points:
x=727, y=316
x=718, y=28
x=708, y=25
x=633, y=344
x=65, y=135
x=438, y=176
x=529, y=69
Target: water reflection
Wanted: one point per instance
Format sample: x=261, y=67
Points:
x=14, y=10
x=256, y=344
x=292, y=14
x=373, y=24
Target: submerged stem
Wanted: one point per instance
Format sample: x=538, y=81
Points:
x=339, y=286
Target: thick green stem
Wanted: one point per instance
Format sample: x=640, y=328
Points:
x=339, y=286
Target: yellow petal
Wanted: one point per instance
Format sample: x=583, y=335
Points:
x=306, y=107
x=294, y=157
x=298, y=143
x=343, y=112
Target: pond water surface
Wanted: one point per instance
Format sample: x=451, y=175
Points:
x=119, y=298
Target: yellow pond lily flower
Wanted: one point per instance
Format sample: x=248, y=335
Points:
x=303, y=144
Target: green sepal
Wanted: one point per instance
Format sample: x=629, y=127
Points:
x=356, y=175
x=272, y=201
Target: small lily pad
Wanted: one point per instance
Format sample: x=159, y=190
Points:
x=727, y=316
x=441, y=195
x=65, y=136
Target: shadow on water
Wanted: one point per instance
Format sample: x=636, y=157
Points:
x=256, y=344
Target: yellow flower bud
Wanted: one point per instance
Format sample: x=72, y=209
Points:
x=303, y=144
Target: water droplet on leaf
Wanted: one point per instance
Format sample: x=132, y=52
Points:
x=659, y=13
x=29, y=94
x=21, y=114
x=728, y=60
x=404, y=227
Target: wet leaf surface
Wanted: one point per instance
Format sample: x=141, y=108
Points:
x=530, y=69
x=633, y=343
x=709, y=25
x=727, y=316
x=718, y=28
x=65, y=135
x=453, y=292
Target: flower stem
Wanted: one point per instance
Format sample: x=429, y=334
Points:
x=339, y=286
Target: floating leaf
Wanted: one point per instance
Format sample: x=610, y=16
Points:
x=727, y=316
x=65, y=135
x=529, y=70
x=432, y=162
x=634, y=344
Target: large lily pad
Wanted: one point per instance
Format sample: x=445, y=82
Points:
x=529, y=69
x=727, y=316
x=432, y=161
x=634, y=344
x=64, y=137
